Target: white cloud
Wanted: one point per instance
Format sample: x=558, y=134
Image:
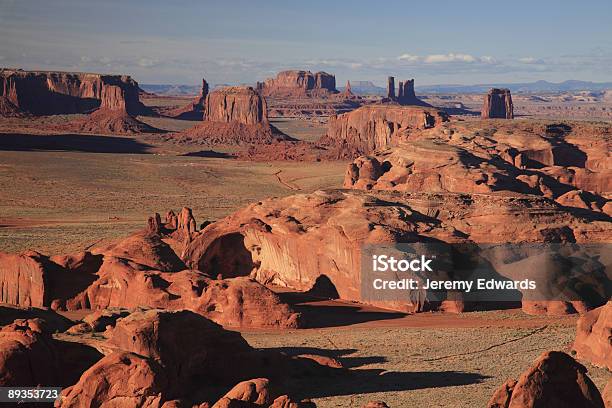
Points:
x=530, y=60
x=409, y=58
x=488, y=59
x=451, y=57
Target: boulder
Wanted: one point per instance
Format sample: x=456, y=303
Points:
x=188, y=346
x=594, y=337
x=118, y=380
x=554, y=380
x=28, y=356
x=497, y=104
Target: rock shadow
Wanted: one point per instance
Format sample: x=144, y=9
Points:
x=71, y=143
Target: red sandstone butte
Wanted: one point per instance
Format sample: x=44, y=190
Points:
x=498, y=104
x=299, y=84
x=234, y=115
x=48, y=93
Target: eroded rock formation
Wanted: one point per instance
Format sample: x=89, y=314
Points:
x=47, y=93
x=268, y=239
x=498, y=104
x=142, y=270
x=299, y=84
x=373, y=127
x=554, y=380
x=594, y=337
x=567, y=167
x=195, y=109
x=233, y=115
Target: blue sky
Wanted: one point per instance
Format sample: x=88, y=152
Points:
x=436, y=42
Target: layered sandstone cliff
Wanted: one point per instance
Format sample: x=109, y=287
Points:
x=46, y=93
x=299, y=83
x=498, y=104
x=374, y=127
x=233, y=115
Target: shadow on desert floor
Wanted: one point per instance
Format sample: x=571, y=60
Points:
x=71, y=143
x=318, y=312
x=367, y=380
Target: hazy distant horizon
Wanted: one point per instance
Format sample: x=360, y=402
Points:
x=460, y=43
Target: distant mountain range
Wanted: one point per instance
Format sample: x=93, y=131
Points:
x=369, y=88
x=526, y=87
x=171, y=90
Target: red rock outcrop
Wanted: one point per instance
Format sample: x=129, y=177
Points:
x=405, y=93
x=594, y=337
x=47, y=93
x=268, y=240
x=120, y=379
x=554, y=380
x=567, y=167
x=374, y=127
x=299, y=83
x=497, y=104
x=27, y=355
x=195, y=109
x=185, y=344
x=233, y=115
x=236, y=104
x=391, y=88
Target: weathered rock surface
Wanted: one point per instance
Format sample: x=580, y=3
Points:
x=233, y=115
x=373, y=127
x=47, y=93
x=140, y=271
x=554, y=380
x=268, y=240
x=236, y=104
x=594, y=337
x=497, y=104
x=299, y=83
x=184, y=343
x=27, y=355
x=565, y=166
x=118, y=380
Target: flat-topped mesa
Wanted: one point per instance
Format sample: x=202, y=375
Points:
x=299, y=84
x=373, y=127
x=498, y=104
x=236, y=104
x=48, y=93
